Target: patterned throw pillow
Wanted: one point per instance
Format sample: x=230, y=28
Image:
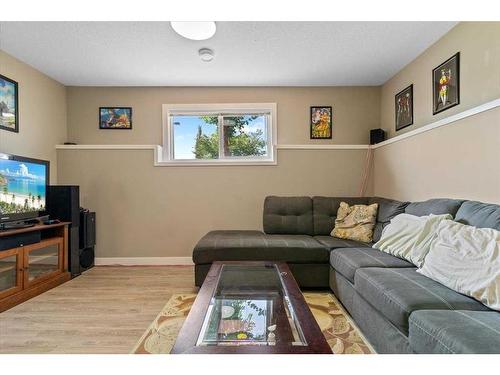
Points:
x=355, y=222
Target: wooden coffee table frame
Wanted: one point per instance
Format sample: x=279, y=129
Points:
x=188, y=335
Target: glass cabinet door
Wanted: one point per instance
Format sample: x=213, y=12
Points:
x=42, y=260
x=10, y=272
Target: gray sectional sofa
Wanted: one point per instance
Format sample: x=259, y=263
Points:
x=397, y=309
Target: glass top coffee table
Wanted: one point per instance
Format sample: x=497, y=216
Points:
x=250, y=307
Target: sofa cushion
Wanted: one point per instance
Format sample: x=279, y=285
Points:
x=347, y=261
x=254, y=245
x=481, y=215
x=397, y=292
x=466, y=259
x=438, y=206
x=325, y=212
x=409, y=237
x=459, y=331
x=355, y=222
x=387, y=209
x=288, y=215
x=336, y=243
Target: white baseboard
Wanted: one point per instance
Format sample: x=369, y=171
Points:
x=145, y=261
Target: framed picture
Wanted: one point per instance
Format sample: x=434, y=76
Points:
x=446, y=84
x=9, y=105
x=404, y=108
x=115, y=118
x=321, y=123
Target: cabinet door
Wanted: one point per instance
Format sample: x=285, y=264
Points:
x=11, y=279
x=42, y=261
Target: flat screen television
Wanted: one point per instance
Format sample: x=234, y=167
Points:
x=23, y=187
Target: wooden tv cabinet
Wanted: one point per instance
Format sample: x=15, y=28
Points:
x=31, y=269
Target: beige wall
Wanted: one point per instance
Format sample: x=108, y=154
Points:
x=163, y=211
x=458, y=160
x=355, y=110
x=144, y=210
x=42, y=113
x=479, y=47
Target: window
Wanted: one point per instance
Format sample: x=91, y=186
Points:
x=219, y=134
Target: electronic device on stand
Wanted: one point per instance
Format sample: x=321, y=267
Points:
x=64, y=205
x=23, y=191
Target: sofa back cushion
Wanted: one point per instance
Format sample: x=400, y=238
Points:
x=387, y=209
x=437, y=206
x=325, y=212
x=481, y=215
x=288, y=215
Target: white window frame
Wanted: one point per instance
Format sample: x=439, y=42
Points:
x=169, y=110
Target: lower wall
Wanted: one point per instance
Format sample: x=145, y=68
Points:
x=459, y=160
x=147, y=211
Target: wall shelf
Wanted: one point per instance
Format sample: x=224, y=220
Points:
x=158, y=149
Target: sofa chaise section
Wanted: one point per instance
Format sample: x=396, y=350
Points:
x=296, y=231
x=287, y=237
x=236, y=245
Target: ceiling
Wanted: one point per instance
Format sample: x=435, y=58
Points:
x=246, y=53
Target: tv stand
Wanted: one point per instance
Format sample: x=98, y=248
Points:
x=30, y=268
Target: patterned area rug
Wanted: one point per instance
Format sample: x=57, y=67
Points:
x=338, y=328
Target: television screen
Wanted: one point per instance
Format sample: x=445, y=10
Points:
x=23, y=185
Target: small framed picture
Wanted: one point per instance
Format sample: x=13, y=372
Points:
x=9, y=105
x=321, y=123
x=404, y=108
x=115, y=118
x=446, y=84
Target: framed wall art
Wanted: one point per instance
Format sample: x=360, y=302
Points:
x=446, y=84
x=404, y=108
x=321, y=123
x=9, y=104
x=115, y=118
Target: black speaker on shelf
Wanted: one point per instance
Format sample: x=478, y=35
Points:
x=63, y=203
x=377, y=136
x=87, y=239
x=87, y=229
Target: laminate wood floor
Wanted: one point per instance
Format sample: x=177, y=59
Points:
x=105, y=310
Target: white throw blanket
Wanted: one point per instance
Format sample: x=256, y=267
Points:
x=409, y=237
x=467, y=260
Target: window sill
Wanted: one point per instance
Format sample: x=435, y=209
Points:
x=213, y=163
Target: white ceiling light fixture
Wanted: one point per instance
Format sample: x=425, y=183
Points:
x=195, y=30
x=206, y=54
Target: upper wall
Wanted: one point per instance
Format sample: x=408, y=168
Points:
x=462, y=158
x=42, y=113
x=479, y=47
x=355, y=110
